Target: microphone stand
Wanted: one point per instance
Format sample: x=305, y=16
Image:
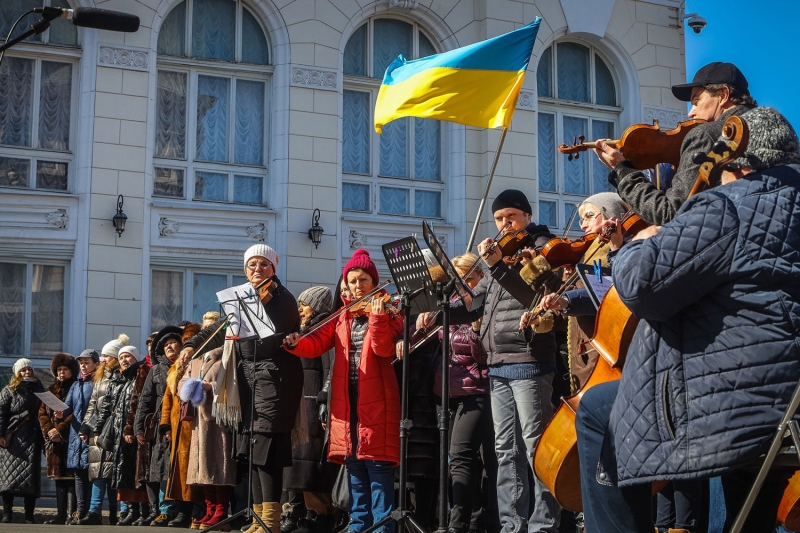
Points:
x=35, y=29
x=443, y=296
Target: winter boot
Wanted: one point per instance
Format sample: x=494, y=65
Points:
x=61, y=505
x=8, y=509
x=72, y=506
x=145, y=518
x=210, y=495
x=131, y=516
x=91, y=519
x=254, y=527
x=271, y=515
x=30, y=509
x=181, y=520
x=113, y=517
x=221, y=501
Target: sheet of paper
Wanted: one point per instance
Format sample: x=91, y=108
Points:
x=250, y=322
x=50, y=400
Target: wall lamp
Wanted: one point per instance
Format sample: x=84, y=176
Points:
x=120, y=218
x=316, y=231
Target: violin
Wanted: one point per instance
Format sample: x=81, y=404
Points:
x=644, y=145
x=390, y=305
x=265, y=290
x=561, y=252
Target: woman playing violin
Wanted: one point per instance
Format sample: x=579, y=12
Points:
x=364, y=416
x=599, y=215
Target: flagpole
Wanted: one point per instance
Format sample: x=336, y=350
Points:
x=486, y=192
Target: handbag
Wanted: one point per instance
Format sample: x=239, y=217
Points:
x=340, y=494
x=105, y=441
x=151, y=422
x=187, y=412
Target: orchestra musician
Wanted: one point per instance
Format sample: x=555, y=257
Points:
x=718, y=91
x=714, y=360
x=521, y=367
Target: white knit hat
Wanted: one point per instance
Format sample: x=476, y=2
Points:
x=112, y=348
x=133, y=350
x=21, y=363
x=261, y=250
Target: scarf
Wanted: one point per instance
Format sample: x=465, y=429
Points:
x=227, y=409
x=86, y=377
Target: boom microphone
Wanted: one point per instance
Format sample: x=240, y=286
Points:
x=90, y=17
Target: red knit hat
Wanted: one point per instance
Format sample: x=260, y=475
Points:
x=361, y=260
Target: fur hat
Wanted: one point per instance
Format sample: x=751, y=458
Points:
x=261, y=250
x=169, y=332
x=190, y=330
x=67, y=360
x=22, y=362
x=773, y=141
x=112, y=348
x=318, y=298
x=133, y=350
x=361, y=260
x=512, y=198
x=89, y=353
x=609, y=203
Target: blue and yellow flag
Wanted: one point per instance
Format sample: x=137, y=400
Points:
x=476, y=85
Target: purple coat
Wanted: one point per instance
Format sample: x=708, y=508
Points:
x=469, y=373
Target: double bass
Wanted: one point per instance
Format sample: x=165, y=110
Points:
x=556, y=460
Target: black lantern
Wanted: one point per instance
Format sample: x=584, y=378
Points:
x=315, y=233
x=120, y=218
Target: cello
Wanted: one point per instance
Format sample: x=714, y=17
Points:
x=556, y=460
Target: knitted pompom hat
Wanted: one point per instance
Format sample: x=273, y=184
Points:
x=361, y=260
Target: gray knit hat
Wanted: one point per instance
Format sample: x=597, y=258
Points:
x=22, y=362
x=609, y=203
x=773, y=141
x=319, y=299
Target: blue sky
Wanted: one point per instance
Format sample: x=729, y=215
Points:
x=758, y=37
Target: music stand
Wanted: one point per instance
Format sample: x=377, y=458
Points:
x=248, y=510
x=445, y=293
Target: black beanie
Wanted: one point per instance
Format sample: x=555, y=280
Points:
x=512, y=198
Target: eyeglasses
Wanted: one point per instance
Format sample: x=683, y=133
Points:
x=589, y=216
x=252, y=267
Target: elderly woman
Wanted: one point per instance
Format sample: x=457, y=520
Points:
x=113, y=429
x=55, y=430
x=268, y=378
x=20, y=440
x=100, y=461
x=364, y=413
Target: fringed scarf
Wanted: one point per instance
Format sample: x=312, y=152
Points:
x=227, y=408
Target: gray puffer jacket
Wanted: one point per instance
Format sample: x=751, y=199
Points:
x=716, y=356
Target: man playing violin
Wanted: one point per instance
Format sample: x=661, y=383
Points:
x=521, y=368
x=718, y=91
x=714, y=360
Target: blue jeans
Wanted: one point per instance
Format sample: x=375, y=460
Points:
x=372, y=493
x=99, y=488
x=167, y=507
x=520, y=409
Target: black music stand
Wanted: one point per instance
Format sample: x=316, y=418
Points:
x=248, y=510
x=444, y=294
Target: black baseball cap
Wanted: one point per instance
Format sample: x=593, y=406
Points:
x=713, y=73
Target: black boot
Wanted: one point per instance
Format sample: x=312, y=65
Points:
x=149, y=513
x=314, y=523
x=181, y=520
x=8, y=509
x=91, y=519
x=30, y=509
x=131, y=516
x=72, y=505
x=61, y=505
x=113, y=518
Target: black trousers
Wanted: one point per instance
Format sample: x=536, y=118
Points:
x=472, y=432
x=267, y=483
x=30, y=504
x=83, y=490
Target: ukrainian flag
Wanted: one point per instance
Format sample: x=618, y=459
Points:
x=476, y=85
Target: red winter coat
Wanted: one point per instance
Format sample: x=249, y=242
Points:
x=378, y=393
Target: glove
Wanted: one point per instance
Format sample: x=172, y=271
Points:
x=323, y=413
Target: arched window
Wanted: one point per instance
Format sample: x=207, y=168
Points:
x=577, y=96
x=37, y=99
x=212, y=104
x=400, y=171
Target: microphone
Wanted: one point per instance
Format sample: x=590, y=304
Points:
x=90, y=17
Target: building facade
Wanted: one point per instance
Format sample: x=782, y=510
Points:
x=224, y=123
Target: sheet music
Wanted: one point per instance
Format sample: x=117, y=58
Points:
x=51, y=401
x=251, y=323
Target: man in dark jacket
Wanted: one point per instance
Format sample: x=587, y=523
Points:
x=714, y=360
x=521, y=369
x=718, y=91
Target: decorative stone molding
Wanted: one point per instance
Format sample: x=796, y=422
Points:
x=127, y=58
x=668, y=117
x=315, y=78
x=57, y=219
x=403, y=4
x=167, y=226
x=527, y=100
x=257, y=232
x=357, y=240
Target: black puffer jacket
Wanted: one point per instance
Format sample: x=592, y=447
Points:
x=117, y=405
x=307, y=472
x=150, y=402
x=507, y=297
x=20, y=460
x=279, y=374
